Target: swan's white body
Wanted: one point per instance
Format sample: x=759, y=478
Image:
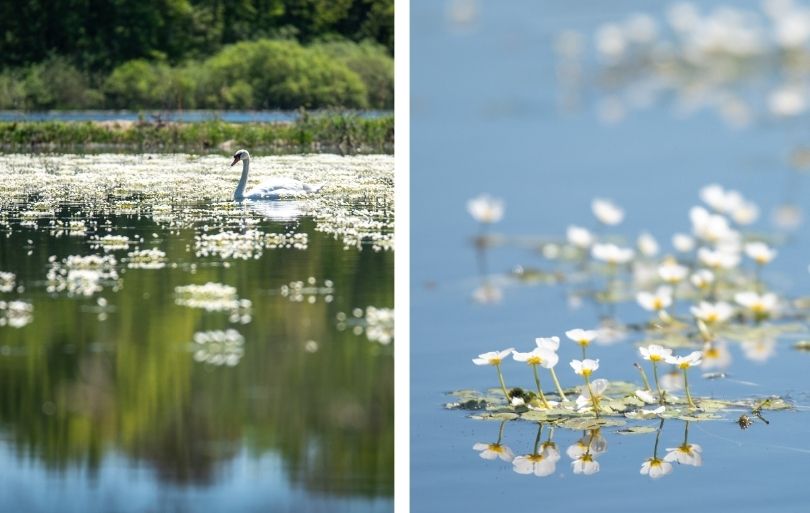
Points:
x=270, y=189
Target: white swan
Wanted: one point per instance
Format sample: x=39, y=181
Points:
x=272, y=188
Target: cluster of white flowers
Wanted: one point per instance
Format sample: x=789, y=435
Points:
x=79, y=275
x=214, y=297
x=7, y=281
x=219, y=347
x=376, y=323
x=146, y=259
x=230, y=245
x=708, y=58
x=111, y=242
x=309, y=291
x=16, y=314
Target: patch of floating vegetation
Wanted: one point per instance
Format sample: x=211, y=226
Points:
x=82, y=275
x=309, y=291
x=146, y=259
x=215, y=297
x=16, y=314
x=219, y=347
x=356, y=203
x=376, y=323
x=707, y=293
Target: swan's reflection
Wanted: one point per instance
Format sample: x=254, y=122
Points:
x=276, y=210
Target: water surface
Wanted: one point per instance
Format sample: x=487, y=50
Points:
x=116, y=394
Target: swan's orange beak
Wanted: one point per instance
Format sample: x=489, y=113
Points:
x=235, y=160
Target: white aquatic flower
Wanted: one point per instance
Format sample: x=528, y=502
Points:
x=759, y=252
x=549, y=343
x=607, y=212
x=758, y=304
x=211, y=297
x=716, y=356
x=710, y=227
x=683, y=243
x=716, y=259
x=612, y=254
x=745, y=213
x=712, y=313
x=661, y=299
x=655, y=352
x=585, y=400
x=611, y=42
x=760, y=350
x=494, y=451
x=647, y=245
x=584, y=367
x=655, y=468
x=686, y=454
x=792, y=29
x=787, y=101
x=672, y=272
x=486, y=209
x=643, y=413
x=646, y=396
x=702, y=279
x=492, y=357
x=579, y=237
x=582, y=337
x=538, y=356
x=693, y=359
x=541, y=464
x=721, y=200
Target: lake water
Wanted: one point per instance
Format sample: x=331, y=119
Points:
x=491, y=113
x=128, y=385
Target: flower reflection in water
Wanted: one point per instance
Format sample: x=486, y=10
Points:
x=496, y=450
x=655, y=467
x=583, y=453
x=542, y=461
x=686, y=453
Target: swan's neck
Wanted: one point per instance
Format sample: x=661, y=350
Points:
x=240, y=188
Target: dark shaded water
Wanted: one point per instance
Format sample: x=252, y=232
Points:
x=487, y=117
x=106, y=406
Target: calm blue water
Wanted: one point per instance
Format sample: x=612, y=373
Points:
x=188, y=116
x=486, y=117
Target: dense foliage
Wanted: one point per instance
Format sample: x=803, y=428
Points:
x=97, y=35
x=263, y=74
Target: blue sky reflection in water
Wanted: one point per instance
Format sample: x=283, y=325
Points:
x=128, y=390
x=487, y=116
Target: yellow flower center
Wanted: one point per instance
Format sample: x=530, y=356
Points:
x=711, y=317
x=494, y=361
x=584, y=341
x=534, y=360
x=496, y=448
x=656, y=357
x=535, y=458
x=587, y=457
x=683, y=365
x=586, y=372
x=657, y=304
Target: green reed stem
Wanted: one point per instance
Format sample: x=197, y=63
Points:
x=557, y=384
x=539, y=388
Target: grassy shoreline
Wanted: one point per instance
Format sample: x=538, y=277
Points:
x=339, y=133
